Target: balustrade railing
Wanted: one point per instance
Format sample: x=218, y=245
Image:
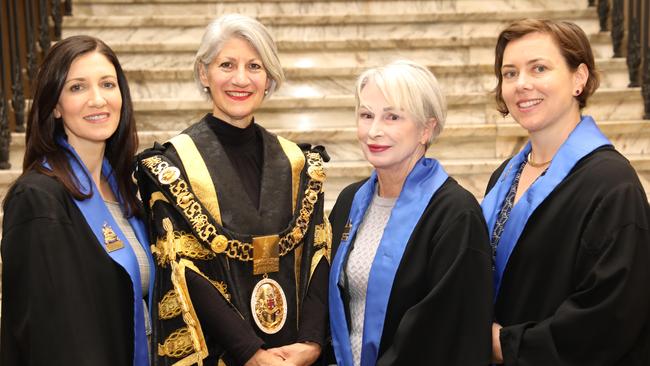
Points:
x=630, y=22
x=27, y=28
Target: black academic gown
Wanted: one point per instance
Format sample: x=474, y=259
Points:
x=64, y=300
x=575, y=289
x=439, y=307
x=218, y=287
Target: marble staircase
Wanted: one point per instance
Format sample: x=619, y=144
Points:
x=324, y=45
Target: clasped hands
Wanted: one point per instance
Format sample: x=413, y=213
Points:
x=296, y=354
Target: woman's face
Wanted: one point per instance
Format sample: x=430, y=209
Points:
x=237, y=81
x=538, y=87
x=90, y=101
x=390, y=139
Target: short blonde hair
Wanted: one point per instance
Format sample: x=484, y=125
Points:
x=410, y=87
x=227, y=26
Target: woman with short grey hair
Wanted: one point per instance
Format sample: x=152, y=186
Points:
x=411, y=277
x=236, y=212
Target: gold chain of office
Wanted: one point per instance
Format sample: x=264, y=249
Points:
x=208, y=233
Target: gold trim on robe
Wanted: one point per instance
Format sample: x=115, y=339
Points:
x=297, y=159
x=189, y=315
x=197, y=174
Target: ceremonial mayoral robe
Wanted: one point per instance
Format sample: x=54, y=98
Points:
x=212, y=243
x=574, y=290
x=429, y=290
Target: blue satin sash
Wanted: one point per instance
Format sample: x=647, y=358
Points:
x=96, y=214
x=421, y=184
x=584, y=139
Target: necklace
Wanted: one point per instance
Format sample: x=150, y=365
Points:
x=536, y=165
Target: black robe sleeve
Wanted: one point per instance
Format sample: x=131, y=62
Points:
x=609, y=308
x=64, y=301
x=220, y=321
x=314, y=314
x=450, y=325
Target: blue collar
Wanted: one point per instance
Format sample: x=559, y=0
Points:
x=584, y=139
x=421, y=184
x=97, y=216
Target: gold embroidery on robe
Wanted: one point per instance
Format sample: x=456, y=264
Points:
x=177, y=345
x=170, y=306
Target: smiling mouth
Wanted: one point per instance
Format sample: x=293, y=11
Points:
x=238, y=95
x=96, y=117
x=529, y=103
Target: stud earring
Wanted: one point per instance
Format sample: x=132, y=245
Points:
x=578, y=92
x=266, y=92
x=206, y=89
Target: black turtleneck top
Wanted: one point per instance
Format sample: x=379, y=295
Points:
x=245, y=149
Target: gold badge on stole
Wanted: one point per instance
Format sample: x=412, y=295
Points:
x=346, y=231
x=268, y=302
x=111, y=240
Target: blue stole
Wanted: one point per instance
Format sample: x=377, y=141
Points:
x=97, y=214
x=421, y=184
x=584, y=139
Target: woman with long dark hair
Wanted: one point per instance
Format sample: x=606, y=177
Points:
x=76, y=264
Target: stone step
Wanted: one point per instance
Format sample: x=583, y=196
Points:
x=296, y=27
x=299, y=63
x=338, y=110
x=298, y=7
x=457, y=142
x=464, y=21
x=473, y=174
x=375, y=40
x=318, y=68
x=373, y=50
x=322, y=81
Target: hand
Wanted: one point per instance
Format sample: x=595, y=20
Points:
x=497, y=355
x=300, y=354
x=266, y=358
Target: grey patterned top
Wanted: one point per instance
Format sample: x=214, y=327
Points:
x=140, y=254
x=359, y=263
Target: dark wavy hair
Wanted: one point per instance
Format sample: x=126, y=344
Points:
x=570, y=39
x=43, y=128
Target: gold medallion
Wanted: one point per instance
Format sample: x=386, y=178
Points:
x=316, y=173
x=169, y=175
x=219, y=244
x=111, y=240
x=268, y=306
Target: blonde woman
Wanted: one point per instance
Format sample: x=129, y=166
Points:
x=411, y=278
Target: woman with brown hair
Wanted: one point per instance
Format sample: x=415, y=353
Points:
x=568, y=217
x=76, y=263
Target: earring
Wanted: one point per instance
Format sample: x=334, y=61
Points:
x=578, y=92
x=266, y=92
x=206, y=89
